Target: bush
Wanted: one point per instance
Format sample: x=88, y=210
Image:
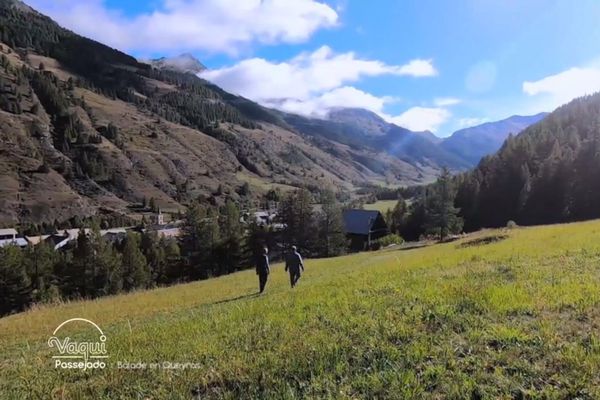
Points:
x=389, y=240
x=511, y=225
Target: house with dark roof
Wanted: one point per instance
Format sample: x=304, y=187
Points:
x=363, y=227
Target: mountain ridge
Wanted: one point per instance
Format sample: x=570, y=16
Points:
x=91, y=126
x=475, y=142
x=184, y=62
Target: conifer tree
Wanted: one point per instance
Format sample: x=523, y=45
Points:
x=136, y=273
x=442, y=216
x=332, y=237
x=14, y=282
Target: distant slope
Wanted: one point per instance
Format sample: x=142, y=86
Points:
x=549, y=173
x=471, y=144
x=361, y=128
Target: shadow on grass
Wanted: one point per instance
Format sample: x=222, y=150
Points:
x=246, y=296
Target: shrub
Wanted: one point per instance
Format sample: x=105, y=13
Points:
x=390, y=240
x=511, y=225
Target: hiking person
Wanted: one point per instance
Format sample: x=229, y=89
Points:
x=262, y=269
x=294, y=264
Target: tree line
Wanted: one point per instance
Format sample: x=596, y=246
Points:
x=214, y=241
x=431, y=211
x=549, y=173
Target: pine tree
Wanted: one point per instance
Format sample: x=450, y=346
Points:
x=173, y=268
x=296, y=213
x=332, y=235
x=200, y=240
x=39, y=261
x=155, y=255
x=191, y=236
x=106, y=275
x=396, y=216
x=442, y=216
x=231, y=235
x=136, y=273
x=78, y=280
x=14, y=282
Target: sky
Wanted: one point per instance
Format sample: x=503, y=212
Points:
x=422, y=64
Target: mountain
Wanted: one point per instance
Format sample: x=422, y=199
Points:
x=471, y=144
x=182, y=63
x=549, y=173
x=365, y=121
x=89, y=130
x=360, y=128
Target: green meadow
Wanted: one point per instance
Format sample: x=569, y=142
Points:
x=381, y=205
x=506, y=314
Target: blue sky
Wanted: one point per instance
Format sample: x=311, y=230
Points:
x=423, y=64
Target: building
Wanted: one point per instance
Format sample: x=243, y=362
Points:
x=363, y=227
x=158, y=218
x=57, y=241
x=9, y=237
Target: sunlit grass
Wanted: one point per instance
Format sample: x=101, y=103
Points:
x=382, y=205
x=518, y=317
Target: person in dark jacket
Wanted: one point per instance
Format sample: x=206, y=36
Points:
x=295, y=265
x=262, y=269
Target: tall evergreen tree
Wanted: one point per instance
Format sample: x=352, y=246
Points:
x=107, y=276
x=136, y=273
x=396, y=217
x=332, y=232
x=442, y=216
x=296, y=213
x=14, y=282
x=232, y=237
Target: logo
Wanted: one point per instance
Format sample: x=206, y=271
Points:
x=79, y=355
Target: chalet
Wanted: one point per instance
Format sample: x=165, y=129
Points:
x=57, y=241
x=363, y=227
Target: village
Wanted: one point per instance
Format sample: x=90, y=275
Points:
x=362, y=227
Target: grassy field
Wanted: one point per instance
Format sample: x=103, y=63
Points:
x=485, y=317
x=382, y=205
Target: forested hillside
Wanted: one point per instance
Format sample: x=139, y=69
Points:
x=473, y=143
x=549, y=173
x=89, y=129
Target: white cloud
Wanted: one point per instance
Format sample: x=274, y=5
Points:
x=422, y=118
x=312, y=83
x=469, y=122
x=320, y=105
x=417, y=68
x=210, y=25
x=446, y=101
x=558, y=89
